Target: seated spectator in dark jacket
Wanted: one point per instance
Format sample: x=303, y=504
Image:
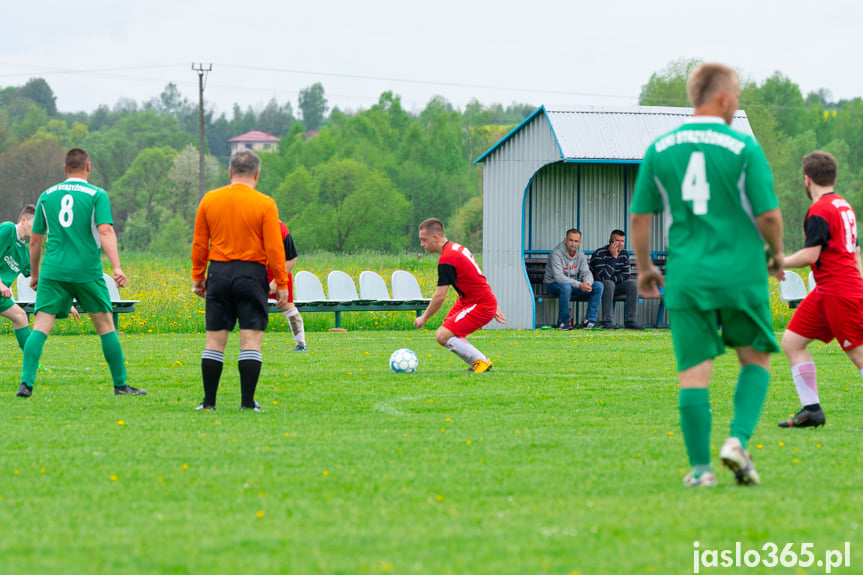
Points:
x=610, y=265
x=567, y=275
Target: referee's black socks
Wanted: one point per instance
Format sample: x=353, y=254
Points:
x=249, y=365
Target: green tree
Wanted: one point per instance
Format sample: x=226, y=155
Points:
x=466, y=226
x=357, y=209
x=113, y=150
x=35, y=118
x=174, y=236
x=313, y=106
x=184, y=179
x=668, y=87
x=787, y=105
x=38, y=90
x=28, y=170
x=146, y=187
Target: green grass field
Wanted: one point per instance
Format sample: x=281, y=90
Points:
x=566, y=458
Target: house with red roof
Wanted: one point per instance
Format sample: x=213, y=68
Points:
x=254, y=140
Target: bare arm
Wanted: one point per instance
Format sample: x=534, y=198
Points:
x=649, y=277
x=435, y=304
x=804, y=257
x=35, y=258
x=109, y=246
x=770, y=224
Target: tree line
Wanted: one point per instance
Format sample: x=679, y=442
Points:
x=358, y=180
x=344, y=181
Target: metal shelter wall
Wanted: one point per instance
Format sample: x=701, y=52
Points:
x=506, y=174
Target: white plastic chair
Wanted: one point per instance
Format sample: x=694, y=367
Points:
x=25, y=292
x=792, y=288
x=374, y=287
x=308, y=289
x=811, y=281
x=341, y=288
x=407, y=288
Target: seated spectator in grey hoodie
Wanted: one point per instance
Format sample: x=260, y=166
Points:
x=568, y=276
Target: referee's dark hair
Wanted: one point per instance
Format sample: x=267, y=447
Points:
x=821, y=167
x=245, y=163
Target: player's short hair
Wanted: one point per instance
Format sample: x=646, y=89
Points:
x=616, y=233
x=821, y=168
x=245, y=163
x=572, y=231
x=707, y=80
x=433, y=226
x=76, y=159
x=28, y=212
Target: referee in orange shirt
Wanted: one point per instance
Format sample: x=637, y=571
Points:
x=237, y=233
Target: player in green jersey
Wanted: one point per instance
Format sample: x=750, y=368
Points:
x=15, y=260
x=716, y=192
x=75, y=217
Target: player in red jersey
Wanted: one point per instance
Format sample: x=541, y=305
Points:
x=476, y=304
x=834, y=309
x=295, y=320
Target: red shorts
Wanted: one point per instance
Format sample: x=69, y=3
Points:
x=464, y=319
x=290, y=290
x=829, y=316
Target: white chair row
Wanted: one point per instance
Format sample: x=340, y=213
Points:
x=342, y=293
x=373, y=289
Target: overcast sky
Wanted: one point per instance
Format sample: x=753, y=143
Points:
x=557, y=52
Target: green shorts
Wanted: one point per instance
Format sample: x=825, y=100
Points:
x=55, y=297
x=6, y=303
x=697, y=337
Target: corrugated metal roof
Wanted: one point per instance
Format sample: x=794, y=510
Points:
x=617, y=134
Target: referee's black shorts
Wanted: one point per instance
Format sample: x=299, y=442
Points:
x=237, y=290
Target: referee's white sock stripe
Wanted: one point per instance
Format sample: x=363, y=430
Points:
x=251, y=355
x=214, y=355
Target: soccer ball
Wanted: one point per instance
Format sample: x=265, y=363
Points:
x=404, y=361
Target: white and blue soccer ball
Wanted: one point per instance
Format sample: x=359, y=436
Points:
x=404, y=361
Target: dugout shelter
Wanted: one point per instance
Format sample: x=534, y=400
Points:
x=557, y=170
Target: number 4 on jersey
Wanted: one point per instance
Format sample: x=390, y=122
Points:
x=695, y=186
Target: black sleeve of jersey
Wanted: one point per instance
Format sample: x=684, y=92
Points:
x=817, y=232
x=290, y=250
x=446, y=275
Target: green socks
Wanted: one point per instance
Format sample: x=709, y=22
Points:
x=113, y=353
x=696, y=420
x=32, y=353
x=21, y=335
x=749, y=398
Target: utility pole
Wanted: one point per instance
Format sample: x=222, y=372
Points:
x=201, y=70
